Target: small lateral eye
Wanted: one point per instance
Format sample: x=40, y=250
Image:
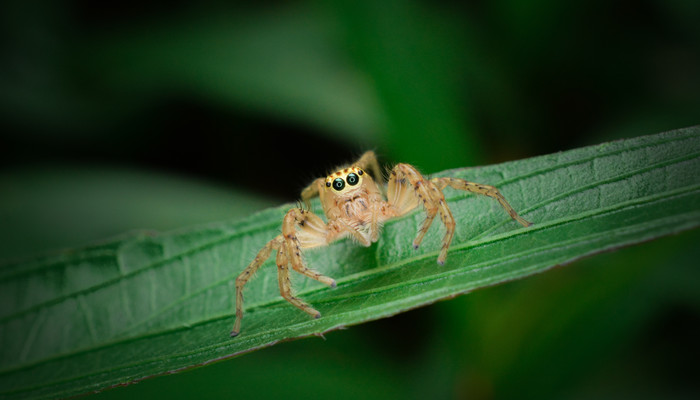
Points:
x=328, y=184
x=352, y=179
x=338, y=184
x=360, y=172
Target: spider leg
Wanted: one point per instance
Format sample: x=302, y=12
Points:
x=339, y=228
x=248, y=273
x=378, y=208
x=431, y=209
x=404, y=177
x=286, y=285
x=301, y=229
x=485, y=190
x=368, y=161
x=311, y=191
x=313, y=232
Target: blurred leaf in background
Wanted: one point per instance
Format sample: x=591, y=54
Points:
x=152, y=116
x=63, y=206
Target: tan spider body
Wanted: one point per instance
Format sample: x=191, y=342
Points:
x=355, y=206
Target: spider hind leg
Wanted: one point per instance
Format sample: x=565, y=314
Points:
x=244, y=277
x=486, y=190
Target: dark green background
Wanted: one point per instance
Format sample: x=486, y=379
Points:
x=129, y=116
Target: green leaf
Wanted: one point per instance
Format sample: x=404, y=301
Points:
x=144, y=305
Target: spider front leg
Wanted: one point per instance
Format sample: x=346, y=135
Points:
x=368, y=161
x=311, y=191
x=408, y=188
x=313, y=232
x=285, y=285
x=300, y=229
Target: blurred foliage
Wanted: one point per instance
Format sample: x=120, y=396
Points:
x=263, y=97
x=62, y=206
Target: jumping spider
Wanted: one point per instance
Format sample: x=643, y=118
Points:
x=355, y=206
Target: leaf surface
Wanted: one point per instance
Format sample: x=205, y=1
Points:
x=143, y=305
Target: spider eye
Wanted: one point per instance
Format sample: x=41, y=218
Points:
x=360, y=172
x=352, y=179
x=338, y=184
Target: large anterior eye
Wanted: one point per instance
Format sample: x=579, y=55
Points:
x=352, y=179
x=338, y=184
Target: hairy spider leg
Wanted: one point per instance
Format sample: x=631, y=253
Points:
x=285, y=285
x=379, y=210
x=340, y=227
x=313, y=232
x=402, y=178
x=485, y=190
x=368, y=162
x=244, y=277
x=301, y=229
x=311, y=191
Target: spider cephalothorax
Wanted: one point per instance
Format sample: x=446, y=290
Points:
x=355, y=207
